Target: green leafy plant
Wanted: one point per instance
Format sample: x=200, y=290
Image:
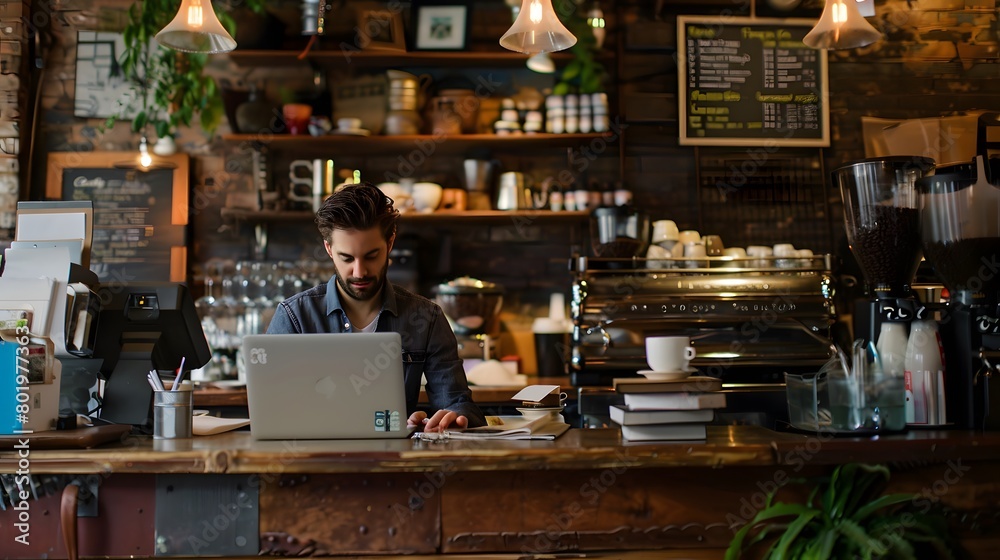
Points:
x=180, y=89
x=845, y=516
x=583, y=74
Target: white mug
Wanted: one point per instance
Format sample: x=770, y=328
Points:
x=695, y=249
x=669, y=353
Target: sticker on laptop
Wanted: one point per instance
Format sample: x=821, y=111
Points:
x=387, y=421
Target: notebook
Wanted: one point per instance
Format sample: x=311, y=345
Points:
x=325, y=386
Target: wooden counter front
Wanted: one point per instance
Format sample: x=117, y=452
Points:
x=586, y=491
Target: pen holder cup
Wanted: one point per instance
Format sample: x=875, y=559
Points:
x=172, y=413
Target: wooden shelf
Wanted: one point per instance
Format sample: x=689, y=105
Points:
x=264, y=216
x=390, y=59
x=523, y=217
x=379, y=145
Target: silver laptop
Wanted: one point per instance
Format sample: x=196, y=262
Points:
x=325, y=386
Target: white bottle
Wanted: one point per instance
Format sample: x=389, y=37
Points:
x=924, y=365
x=892, y=353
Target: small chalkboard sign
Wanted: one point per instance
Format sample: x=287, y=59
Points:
x=140, y=216
x=750, y=82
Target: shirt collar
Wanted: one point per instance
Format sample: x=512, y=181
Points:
x=333, y=297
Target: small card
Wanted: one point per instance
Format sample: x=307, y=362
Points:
x=535, y=392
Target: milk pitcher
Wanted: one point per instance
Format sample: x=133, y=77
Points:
x=311, y=181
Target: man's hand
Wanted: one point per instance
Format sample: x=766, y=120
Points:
x=441, y=420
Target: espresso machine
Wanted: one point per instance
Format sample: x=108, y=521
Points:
x=882, y=217
x=960, y=225
x=750, y=319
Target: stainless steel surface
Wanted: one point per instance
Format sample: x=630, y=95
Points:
x=739, y=312
x=206, y=515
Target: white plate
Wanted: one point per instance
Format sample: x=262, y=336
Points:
x=533, y=413
x=667, y=375
x=358, y=132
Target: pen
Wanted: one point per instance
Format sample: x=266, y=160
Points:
x=154, y=380
x=180, y=374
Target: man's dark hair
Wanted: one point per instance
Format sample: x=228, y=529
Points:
x=360, y=206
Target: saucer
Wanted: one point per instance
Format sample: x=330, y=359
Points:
x=535, y=413
x=353, y=132
x=667, y=375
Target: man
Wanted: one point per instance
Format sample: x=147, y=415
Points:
x=358, y=225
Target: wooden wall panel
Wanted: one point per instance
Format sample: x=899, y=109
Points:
x=616, y=508
x=348, y=514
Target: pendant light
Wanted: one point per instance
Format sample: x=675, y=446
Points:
x=537, y=29
x=541, y=63
x=841, y=27
x=595, y=20
x=145, y=160
x=196, y=29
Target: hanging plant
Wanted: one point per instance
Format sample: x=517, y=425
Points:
x=172, y=85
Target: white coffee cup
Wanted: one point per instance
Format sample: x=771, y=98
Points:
x=736, y=253
x=669, y=353
x=783, y=251
x=664, y=230
x=761, y=251
x=348, y=124
x=695, y=249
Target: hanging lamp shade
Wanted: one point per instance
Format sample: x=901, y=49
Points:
x=537, y=29
x=541, y=63
x=841, y=27
x=196, y=29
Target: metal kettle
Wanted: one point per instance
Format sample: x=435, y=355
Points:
x=513, y=192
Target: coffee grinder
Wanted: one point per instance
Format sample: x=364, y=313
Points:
x=472, y=308
x=883, y=229
x=960, y=224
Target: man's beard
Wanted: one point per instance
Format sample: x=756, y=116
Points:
x=363, y=294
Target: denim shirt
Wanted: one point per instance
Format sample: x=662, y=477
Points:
x=429, y=345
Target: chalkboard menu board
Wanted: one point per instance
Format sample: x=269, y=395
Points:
x=140, y=216
x=750, y=82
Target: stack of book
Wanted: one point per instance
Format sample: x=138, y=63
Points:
x=667, y=410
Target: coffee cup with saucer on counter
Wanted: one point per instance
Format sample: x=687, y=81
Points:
x=669, y=358
x=349, y=126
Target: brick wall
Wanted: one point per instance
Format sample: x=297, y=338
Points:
x=939, y=58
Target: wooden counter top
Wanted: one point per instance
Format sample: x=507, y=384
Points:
x=237, y=452
x=583, y=493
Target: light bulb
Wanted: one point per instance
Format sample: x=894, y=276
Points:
x=195, y=16
x=535, y=12
x=541, y=63
x=595, y=19
x=145, y=160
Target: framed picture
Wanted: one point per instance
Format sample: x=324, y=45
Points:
x=442, y=27
x=381, y=30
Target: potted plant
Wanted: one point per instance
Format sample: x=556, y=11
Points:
x=845, y=516
x=179, y=87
